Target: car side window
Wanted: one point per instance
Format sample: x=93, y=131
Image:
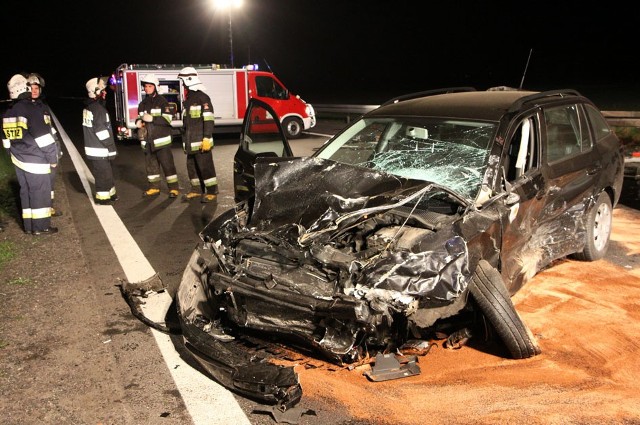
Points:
x=586, y=141
x=522, y=155
x=599, y=124
x=262, y=136
x=566, y=131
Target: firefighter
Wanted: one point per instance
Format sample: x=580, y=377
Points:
x=33, y=152
x=36, y=83
x=154, y=124
x=99, y=144
x=197, y=140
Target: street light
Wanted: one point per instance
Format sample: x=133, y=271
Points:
x=228, y=5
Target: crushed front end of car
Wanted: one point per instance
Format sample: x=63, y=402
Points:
x=342, y=267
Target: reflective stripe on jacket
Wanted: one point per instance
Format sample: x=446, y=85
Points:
x=28, y=138
x=159, y=130
x=98, y=133
x=198, y=121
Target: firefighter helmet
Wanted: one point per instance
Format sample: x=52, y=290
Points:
x=35, y=78
x=150, y=79
x=95, y=86
x=189, y=77
x=18, y=85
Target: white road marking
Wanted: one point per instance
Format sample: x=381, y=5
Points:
x=207, y=402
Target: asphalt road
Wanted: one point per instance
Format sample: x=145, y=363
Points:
x=166, y=230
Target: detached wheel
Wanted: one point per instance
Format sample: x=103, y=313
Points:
x=598, y=230
x=489, y=292
x=292, y=127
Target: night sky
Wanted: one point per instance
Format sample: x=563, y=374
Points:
x=329, y=51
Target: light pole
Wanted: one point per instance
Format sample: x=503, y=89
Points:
x=228, y=5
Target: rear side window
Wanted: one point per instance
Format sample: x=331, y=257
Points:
x=567, y=132
x=599, y=124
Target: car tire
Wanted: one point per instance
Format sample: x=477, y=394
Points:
x=491, y=295
x=598, y=230
x=292, y=127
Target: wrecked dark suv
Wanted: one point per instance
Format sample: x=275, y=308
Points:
x=421, y=218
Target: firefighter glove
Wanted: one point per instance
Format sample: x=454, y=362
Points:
x=207, y=144
x=147, y=118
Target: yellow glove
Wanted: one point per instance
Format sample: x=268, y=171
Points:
x=207, y=144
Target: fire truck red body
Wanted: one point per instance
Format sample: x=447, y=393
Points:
x=229, y=90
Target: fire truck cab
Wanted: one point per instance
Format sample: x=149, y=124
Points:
x=229, y=90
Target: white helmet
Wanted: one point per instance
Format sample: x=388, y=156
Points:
x=189, y=77
x=95, y=86
x=18, y=85
x=150, y=79
x=35, y=78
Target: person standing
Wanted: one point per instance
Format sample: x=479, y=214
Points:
x=154, y=124
x=197, y=140
x=33, y=152
x=36, y=83
x=99, y=144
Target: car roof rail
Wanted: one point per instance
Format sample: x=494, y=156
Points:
x=427, y=93
x=545, y=94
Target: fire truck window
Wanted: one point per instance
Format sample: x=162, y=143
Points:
x=268, y=87
x=170, y=89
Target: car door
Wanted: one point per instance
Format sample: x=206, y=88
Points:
x=572, y=168
x=521, y=251
x=554, y=193
x=261, y=137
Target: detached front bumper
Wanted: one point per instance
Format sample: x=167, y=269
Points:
x=234, y=363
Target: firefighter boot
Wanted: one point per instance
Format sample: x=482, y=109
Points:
x=173, y=193
x=208, y=197
x=150, y=192
x=190, y=195
x=49, y=231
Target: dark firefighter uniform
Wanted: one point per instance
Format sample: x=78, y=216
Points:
x=197, y=142
x=33, y=150
x=100, y=148
x=46, y=111
x=156, y=141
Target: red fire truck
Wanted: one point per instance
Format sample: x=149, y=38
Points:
x=229, y=90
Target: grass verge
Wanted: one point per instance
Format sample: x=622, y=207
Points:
x=19, y=281
x=7, y=252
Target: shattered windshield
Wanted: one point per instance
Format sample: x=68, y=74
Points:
x=452, y=153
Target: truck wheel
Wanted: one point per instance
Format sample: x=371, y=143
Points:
x=292, y=127
x=489, y=292
x=598, y=230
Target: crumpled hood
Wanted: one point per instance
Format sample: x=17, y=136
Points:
x=315, y=211
x=303, y=190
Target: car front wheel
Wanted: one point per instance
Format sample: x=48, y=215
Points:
x=292, y=127
x=489, y=292
x=598, y=230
